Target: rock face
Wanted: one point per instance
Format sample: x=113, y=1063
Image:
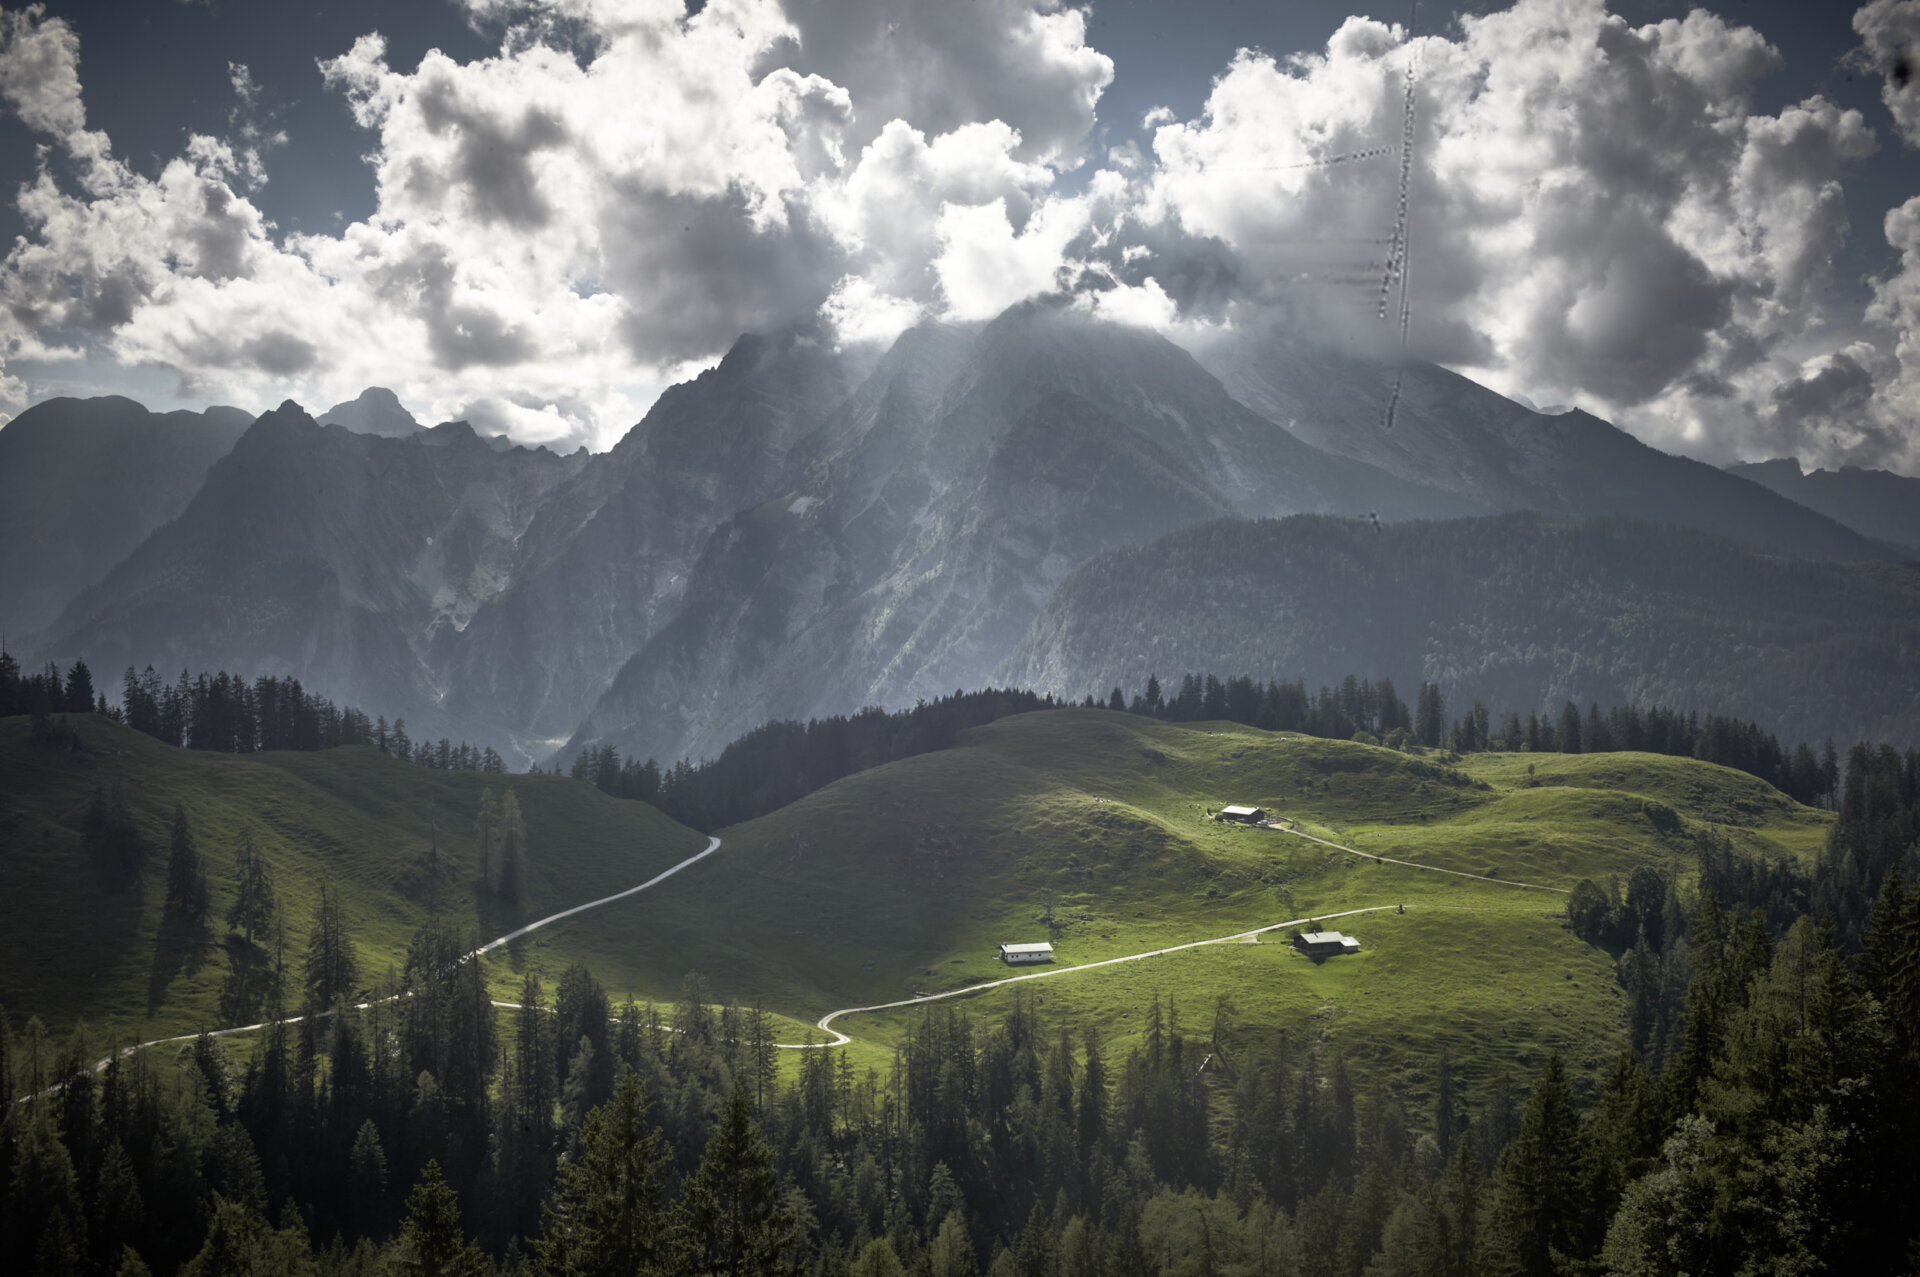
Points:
x=605, y=563
x=790, y=534
x=1873, y=503
x=345, y=560
x=83, y=482
x=1515, y=610
x=917, y=534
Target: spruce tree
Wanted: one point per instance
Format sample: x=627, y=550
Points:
x=737, y=1221
x=608, y=1213
x=254, y=907
x=1540, y=1204
x=486, y=838
x=432, y=1242
x=331, y=969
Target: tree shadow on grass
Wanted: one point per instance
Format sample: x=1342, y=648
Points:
x=495, y=916
x=180, y=947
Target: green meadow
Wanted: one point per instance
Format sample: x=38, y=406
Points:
x=1083, y=827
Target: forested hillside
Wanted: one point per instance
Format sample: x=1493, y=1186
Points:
x=1758, y=1099
x=1516, y=611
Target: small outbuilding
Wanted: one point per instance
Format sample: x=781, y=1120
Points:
x=1243, y=815
x=1020, y=955
x=1317, y=944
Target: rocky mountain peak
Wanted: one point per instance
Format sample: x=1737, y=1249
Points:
x=375, y=411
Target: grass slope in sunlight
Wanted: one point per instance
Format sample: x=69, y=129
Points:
x=1083, y=827
x=351, y=818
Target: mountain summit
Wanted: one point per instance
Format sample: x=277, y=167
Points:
x=376, y=411
x=794, y=533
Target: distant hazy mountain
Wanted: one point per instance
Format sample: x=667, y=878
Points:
x=1873, y=503
x=342, y=559
x=1514, y=609
x=84, y=481
x=919, y=531
x=792, y=533
x=1499, y=455
x=376, y=411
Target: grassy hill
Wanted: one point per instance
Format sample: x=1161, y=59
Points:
x=350, y=817
x=1084, y=827
x=1089, y=828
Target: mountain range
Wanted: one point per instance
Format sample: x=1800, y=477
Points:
x=799, y=532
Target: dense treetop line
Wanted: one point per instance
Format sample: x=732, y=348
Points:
x=1771, y=1119
x=226, y=714
x=1765, y=1106
x=782, y=762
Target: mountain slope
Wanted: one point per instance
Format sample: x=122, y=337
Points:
x=1516, y=610
x=1873, y=503
x=923, y=527
x=84, y=481
x=340, y=559
x=350, y=819
x=604, y=562
x=1499, y=455
x=1087, y=828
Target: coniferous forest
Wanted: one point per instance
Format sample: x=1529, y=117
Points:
x=1765, y=1105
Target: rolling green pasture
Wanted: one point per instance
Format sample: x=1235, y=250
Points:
x=350, y=818
x=1083, y=827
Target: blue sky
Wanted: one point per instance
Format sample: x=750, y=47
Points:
x=1679, y=222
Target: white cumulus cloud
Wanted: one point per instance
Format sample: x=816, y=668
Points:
x=1597, y=212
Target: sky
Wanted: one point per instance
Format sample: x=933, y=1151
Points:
x=1701, y=224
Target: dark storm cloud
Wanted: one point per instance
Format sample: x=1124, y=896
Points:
x=1890, y=47
x=493, y=165
x=700, y=274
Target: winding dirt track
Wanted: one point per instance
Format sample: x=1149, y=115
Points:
x=841, y=1039
x=713, y=845
x=1414, y=864
x=825, y=1022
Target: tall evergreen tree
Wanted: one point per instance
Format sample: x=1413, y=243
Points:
x=255, y=907
x=738, y=1222
x=486, y=839
x=608, y=1215
x=432, y=1242
x=331, y=969
x=1541, y=1209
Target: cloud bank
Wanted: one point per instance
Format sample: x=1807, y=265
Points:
x=1596, y=213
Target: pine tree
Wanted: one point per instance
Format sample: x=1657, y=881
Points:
x=608, y=1212
x=1568, y=737
x=1540, y=1203
x=737, y=1221
x=331, y=969
x=254, y=907
x=432, y=1242
x=79, y=694
x=951, y=1253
